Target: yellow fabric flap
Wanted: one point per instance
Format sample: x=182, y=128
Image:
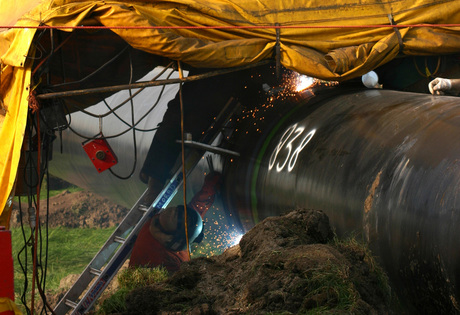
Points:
x=7, y=305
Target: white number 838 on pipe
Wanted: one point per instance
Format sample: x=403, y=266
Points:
x=291, y=145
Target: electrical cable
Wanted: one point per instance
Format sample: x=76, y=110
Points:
x=113, y=111
x=23, y=266
x=105, y=137
x=51, y=53
x=44, y=266
x=184, y=185
x=152, y=80
x=37, y=212
x=148, y=112
x=116, y=107
x=32, y=179
x=94, y=72
x=132, y=120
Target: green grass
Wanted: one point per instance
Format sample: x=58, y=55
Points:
x=332, y=281
x=353, y=243
x=128, y=280
x=69, y=252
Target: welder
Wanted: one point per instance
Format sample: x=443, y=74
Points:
x=162, y=240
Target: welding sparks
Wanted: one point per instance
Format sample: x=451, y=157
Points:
x=236, y=239
x=218, y=235
x=304, y=82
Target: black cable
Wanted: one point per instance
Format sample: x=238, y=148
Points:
x=113, y=111
x=47, y=222
x=23, y=266
x=116, y=135
x=94, y=72
x=38, y=46
x=61, y=55
x=152, y=80
x=134, y=130
x=105, y=137
x=148, y=112
x=121, y=104
x=41, y=282
x=31, y=180
x=123, y=132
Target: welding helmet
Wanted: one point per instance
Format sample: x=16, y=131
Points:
x=194, y=227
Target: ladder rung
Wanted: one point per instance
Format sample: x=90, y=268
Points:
x=143, y=208
x=118, y=239
x=71, y=304
x=95, y=271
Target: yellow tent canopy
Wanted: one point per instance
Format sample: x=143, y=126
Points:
x=330, y=40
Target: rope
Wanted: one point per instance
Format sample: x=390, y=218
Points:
x=183, y=159
x=126, y=27
x=427, y=73
x=33, y=102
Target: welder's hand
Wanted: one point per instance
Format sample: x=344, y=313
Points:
x=439, y=85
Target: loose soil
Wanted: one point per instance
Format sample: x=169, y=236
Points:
x=80, y=209
x=284, y=265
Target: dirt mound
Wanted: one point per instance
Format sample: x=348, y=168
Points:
x=287, y=264
x=74, y=209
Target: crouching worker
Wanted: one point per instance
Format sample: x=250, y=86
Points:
x=162, y=240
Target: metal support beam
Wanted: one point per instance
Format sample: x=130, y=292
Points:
x=117, y=88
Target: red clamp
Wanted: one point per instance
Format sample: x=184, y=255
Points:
x=100, y=153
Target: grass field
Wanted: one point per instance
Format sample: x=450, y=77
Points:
x=69, y=252
x=52, y=193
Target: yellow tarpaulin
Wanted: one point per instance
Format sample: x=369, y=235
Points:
x=307, y=38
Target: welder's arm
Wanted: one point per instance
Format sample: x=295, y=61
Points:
x=440, y=86
x=204, y=199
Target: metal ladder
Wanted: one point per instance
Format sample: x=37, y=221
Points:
x=105, y=265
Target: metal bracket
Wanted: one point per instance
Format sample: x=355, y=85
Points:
x=210, y=148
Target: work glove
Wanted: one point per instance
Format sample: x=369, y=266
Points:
x=439, y=85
